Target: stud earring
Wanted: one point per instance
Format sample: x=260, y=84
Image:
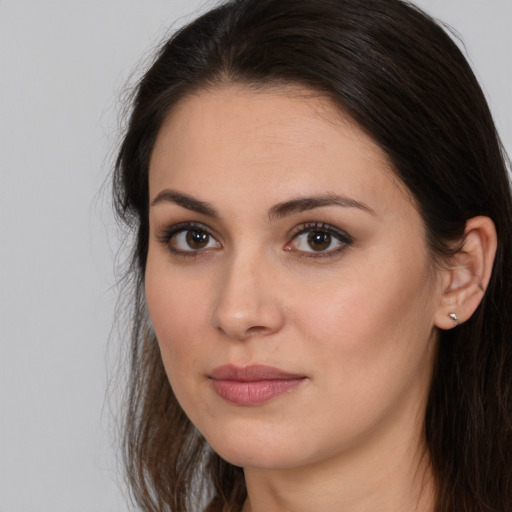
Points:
x=454, y=318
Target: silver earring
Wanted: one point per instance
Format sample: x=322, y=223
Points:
x=454, y=318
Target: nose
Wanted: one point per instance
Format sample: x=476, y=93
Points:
x=247, y=302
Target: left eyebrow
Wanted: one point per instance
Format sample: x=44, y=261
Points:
x=302, y=204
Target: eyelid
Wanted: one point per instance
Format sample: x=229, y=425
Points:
x=166, y=235
x=339, y=234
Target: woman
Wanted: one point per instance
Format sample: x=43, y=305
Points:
x=322, y=217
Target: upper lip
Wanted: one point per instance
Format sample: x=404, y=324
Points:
x=251, y=373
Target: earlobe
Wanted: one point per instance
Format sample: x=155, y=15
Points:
x=466, y=280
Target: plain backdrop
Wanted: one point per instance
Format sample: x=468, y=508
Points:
x=63, y=67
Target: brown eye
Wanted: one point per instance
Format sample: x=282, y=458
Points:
x=190, y=240
x=197, y=238
x=319, y=240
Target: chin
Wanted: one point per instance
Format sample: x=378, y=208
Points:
x=257, y=458
x=264, y=451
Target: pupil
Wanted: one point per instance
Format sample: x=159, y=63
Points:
x=319, y=240
x=197, y=239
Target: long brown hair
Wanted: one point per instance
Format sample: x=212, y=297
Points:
x=398, y=74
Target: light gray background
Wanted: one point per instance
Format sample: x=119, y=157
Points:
x=63, y=65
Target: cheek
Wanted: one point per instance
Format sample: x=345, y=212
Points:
x=368, y=338
x=372, y=319
x=178, y=309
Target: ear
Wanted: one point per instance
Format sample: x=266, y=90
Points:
x=464, y=283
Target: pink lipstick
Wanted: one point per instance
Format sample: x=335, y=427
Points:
x=252, y=385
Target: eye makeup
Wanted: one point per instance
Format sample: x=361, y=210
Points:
x=188, y=239
x=309, y=240
x=318, y=240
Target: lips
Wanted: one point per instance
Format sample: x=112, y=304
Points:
x=252, y=385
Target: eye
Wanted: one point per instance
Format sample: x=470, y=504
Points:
x=189, y=238
x=319, y=239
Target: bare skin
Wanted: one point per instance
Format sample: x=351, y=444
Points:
x=279, y=236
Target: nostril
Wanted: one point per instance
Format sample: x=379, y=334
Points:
x=257, y=329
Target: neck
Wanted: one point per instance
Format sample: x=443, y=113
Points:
x=395, y=479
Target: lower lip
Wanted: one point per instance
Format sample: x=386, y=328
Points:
x=253, y=392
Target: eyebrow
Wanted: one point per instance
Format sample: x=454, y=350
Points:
x=277, y=211
x=302, y=204
x=185, y=201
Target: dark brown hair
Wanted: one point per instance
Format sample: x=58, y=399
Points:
x=399, y=75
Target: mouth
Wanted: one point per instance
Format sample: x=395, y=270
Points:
x=252, y=385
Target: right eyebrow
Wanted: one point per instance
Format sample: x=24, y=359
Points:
x=185, y=201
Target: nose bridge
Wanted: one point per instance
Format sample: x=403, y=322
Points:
x=246, y=302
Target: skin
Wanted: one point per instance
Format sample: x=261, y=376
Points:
x=356, y=320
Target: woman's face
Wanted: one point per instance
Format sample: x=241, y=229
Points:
x=288, y=279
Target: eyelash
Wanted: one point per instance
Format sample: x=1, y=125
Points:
x=320, y=227
x=172, y=231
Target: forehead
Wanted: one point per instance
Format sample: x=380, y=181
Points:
x=233, y=141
